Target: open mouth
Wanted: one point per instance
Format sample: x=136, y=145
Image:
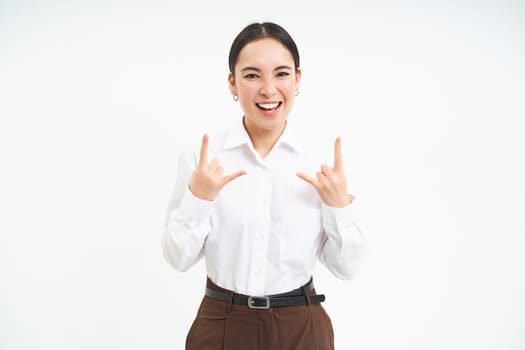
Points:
x=268, y=106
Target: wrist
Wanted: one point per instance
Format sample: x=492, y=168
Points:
x=342, y=202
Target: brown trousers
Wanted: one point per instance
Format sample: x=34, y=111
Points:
x=221, y=325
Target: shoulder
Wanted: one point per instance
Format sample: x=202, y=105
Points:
x=316, y=147
x=216, y=143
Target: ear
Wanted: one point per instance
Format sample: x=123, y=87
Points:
x=298, y=75
x=231, y=84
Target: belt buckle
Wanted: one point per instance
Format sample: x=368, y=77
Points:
x=253, y=302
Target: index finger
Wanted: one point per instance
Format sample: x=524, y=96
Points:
x=203, y=157
x=338, y=155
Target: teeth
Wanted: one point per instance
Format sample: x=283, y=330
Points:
x=268, y=105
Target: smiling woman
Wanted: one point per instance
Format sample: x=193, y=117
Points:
x=265, y=76
x=263, y=226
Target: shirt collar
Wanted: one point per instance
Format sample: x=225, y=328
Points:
x=238, y=136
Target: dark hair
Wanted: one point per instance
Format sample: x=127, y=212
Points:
x=257, y=31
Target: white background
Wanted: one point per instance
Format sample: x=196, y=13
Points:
x=97, y=99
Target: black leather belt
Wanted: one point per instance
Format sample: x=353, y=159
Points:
x=295, y=297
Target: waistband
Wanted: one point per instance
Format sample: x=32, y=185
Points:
x=299, y=296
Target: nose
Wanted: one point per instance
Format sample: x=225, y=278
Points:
x=267, y=89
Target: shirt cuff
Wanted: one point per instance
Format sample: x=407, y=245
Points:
x=340, y=225
x=194, y=208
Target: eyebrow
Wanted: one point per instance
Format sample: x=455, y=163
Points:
x=283, y=67
x=258, y=70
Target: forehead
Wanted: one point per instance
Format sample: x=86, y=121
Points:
x=264, y=53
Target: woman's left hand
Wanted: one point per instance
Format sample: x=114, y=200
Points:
x=331, y=182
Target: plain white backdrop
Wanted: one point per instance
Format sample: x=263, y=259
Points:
x=97, y=99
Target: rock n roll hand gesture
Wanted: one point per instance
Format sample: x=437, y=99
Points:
x=331, y=182
x=207, y=179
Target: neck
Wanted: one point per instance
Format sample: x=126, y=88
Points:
x=263, y=140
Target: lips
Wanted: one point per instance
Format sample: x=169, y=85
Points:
x=268, y=106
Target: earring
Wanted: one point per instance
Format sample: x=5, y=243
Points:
x=235, y=98
x=296, y=92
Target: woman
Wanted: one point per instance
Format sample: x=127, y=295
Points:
x=260, y=221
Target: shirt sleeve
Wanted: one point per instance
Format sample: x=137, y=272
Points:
x=187, y=221
x=344, y=243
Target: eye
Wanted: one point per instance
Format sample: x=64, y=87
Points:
x=283, y=74
x=251, y=76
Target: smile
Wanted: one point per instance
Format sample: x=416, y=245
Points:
x=269, y=106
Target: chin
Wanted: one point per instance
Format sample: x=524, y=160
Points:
x=271, y=125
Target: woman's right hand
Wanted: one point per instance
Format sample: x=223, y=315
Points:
x=207, y=180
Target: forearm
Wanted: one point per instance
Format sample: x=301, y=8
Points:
x=187, y=220
x=345, y=242
x=185, y=232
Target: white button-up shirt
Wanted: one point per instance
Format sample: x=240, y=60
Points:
x=265, y=230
